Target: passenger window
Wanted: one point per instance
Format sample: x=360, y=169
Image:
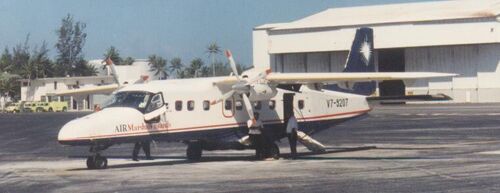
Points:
x=228, y=105
x=190, y=105
x=155, y=103
x=178, y=105
x=239, y=105
x=272, y=104
x=257, y=105
x=301, y=104
x=206, y=105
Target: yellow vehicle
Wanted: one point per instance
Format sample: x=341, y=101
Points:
x=51, y=106
x=28, y=106
x=12, y=108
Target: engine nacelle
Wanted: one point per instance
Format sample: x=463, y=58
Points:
x=260, y=92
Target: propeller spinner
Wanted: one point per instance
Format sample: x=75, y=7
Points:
x=243, y=87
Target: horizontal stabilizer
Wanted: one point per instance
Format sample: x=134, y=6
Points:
x=436, y=97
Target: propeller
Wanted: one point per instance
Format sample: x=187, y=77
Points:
x=111, y=65
x=243, y=88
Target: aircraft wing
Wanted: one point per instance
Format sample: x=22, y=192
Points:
x=334, y=77
x=105, y=89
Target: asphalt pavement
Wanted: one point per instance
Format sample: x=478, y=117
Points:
x=402, y=148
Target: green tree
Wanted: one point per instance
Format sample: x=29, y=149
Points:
x=213, y=49
x=176, y=66
x=9, y=86
x=114, y=54
x=71, y=39
x=21, y=60
x=159, y=66
x=40, y=63
x=5, y=60
x=194, y=69
x=128, y=61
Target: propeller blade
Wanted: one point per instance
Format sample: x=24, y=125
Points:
x=232, y=63
x=111, y=65
x=261, y=76
x=224, y=97
x=249, y=107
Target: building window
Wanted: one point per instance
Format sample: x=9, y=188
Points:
x=55, y=85
x=190, y=105
x=239, y=105
x=228, y=105
x=272, y=104
x=301, y=104
x=206, y=105
x=178, y=105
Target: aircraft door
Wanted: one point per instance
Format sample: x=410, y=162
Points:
x=287, y=106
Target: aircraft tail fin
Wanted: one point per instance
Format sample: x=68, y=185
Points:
x=360, y=59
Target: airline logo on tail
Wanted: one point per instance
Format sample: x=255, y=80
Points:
x=360, y=59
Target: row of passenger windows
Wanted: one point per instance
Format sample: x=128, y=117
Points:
x=228, y=105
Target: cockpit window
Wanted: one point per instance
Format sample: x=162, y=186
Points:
x=137, y=100
x=156, y=102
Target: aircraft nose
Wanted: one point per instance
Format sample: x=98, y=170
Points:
x=98, y=125
x=72, y=132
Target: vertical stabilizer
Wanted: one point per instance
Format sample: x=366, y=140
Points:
x=360, y=59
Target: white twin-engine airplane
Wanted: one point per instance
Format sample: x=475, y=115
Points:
x=215, y=113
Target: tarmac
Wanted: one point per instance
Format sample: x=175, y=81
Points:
x=403, y=148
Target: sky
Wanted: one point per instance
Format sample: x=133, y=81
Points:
x=169, y=28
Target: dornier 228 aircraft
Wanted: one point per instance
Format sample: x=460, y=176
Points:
x=215, y=113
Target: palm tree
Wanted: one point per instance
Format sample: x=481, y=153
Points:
x=159, y=66
x=176, y=66
x=194, y=68
x=128, y=61
x=114, y=54
x=213, y=49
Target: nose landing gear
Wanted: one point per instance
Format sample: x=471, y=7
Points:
x=96, y=161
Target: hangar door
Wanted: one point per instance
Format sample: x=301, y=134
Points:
x=391, y=60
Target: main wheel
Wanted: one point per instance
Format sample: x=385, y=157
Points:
x=194, y=151
x=90, y=162
x=273, y=151
x=51, y=110
x=38, y=110
x=64, y=109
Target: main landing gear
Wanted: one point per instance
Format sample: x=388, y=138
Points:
x=194, y=150
x=96, y=161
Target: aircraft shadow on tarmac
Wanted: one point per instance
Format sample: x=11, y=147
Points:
x=177, y=160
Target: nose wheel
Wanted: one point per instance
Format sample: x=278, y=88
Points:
x=97, y=162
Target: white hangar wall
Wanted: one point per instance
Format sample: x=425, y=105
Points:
x=461, y=37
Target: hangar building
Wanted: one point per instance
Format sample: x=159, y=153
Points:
x=460, y=37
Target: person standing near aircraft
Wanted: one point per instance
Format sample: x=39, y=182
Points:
x=145, y=147
x=291, y=131
x=255, y=135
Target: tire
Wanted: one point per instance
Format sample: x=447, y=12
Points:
x=39, y=110
x=64, y=109
x=51, y=110
x=90, y=162
x=273, y=151
x=97, y=162
x=194, y=151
